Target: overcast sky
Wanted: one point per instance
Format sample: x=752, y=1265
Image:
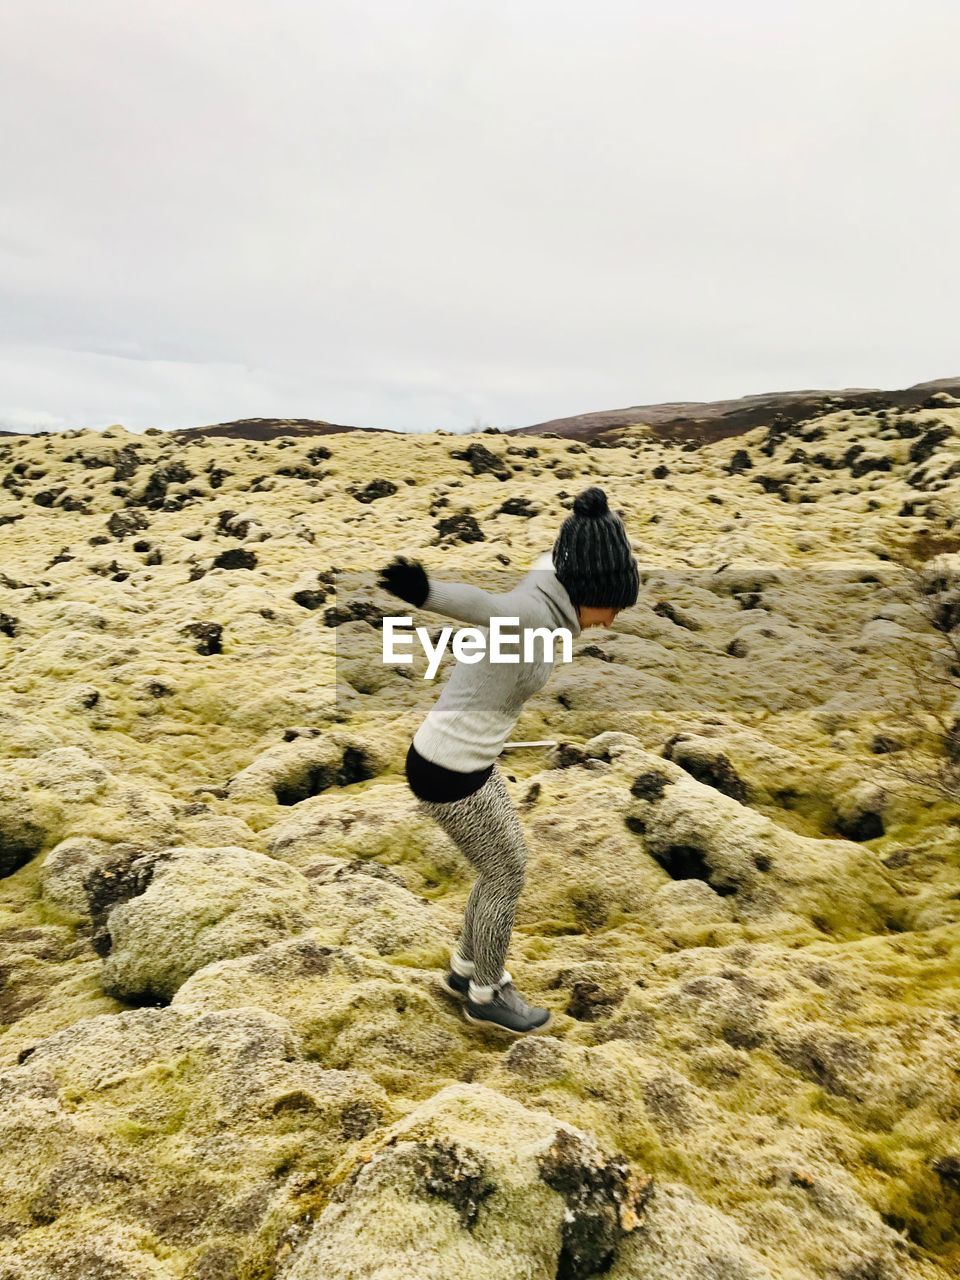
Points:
x=434, y=213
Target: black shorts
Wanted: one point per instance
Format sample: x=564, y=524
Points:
x=429, y=781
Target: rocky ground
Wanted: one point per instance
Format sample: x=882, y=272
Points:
x=223, y=1055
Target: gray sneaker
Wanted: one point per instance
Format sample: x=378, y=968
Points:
x=507, y=1010
x=454, y=985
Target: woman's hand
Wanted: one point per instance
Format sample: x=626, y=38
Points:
x=406, y=579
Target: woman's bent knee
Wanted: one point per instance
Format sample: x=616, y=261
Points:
x=514, y=870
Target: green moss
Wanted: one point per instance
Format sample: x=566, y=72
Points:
x=890, y=965
x=557, y=928
x=435, y=957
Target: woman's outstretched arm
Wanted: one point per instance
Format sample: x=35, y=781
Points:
x=408, y=580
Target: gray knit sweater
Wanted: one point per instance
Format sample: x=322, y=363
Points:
x=481, y=702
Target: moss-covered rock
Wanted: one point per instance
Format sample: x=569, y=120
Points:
x=359, y=904
x=771, y=875
x=152, y=1142
x=335, y=835
x=349, y=1010
x=29, y=819
x=200, y=905
x=681, y=1238
x=474, y=1183
x=291, y=772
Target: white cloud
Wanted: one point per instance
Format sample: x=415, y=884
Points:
x=430, y=214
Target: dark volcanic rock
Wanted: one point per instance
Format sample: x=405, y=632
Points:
x=927, y=444
x=208, y=636
x=47, y=497
x=453, y=1175
x=518, y=507
x=155, y=493
x=124, y=874
x=649, y=786
x=233, y=525
x=460, y=528
x=309, y=599
x=772, y=484
x=589, y=1001
x=122, y=523
x=353, y=611
x=125, y=462
x=664, y=609
x=483, y=461
x=711, y=767
x=601, y=1194
x=236, y=558
x=374, y=490
x=869, y=463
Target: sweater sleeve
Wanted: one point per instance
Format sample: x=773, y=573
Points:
x=472, y=604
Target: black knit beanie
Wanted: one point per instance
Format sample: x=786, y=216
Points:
x=592, y=556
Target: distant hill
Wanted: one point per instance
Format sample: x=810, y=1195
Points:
x=704, y=421
x=270, y=428
x=700, y=421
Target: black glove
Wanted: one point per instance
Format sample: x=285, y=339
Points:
x=406, y=579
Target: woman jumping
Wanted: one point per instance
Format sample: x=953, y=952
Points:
x=451, y=763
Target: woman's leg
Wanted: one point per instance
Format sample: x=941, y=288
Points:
x=486, y=829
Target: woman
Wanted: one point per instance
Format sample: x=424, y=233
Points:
x=451, y=763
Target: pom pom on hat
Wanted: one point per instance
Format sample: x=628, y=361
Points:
x=592, y=502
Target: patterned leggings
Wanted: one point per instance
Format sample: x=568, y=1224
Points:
x=487, y=831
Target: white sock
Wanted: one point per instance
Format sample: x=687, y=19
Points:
x=483, y=995
x=462, y=968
